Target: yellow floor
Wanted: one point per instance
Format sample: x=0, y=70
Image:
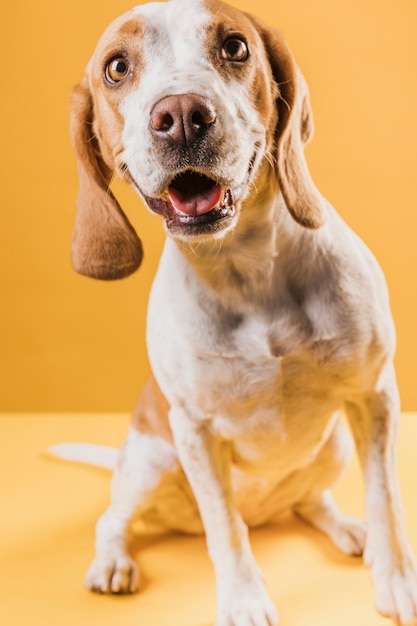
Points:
x=48, y=512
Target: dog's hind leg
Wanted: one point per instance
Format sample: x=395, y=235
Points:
x=317, y=506
x=143, y=460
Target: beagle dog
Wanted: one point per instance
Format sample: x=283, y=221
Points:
x=268, y=317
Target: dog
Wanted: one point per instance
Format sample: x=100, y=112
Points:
x=268, y=317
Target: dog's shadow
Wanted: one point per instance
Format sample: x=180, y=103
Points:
x=273, y=546
x=273, y=536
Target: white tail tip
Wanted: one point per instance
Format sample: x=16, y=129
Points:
x=100, y=456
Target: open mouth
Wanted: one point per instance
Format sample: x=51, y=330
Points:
x=197, y=199
x=194, y=195
x=193, y=199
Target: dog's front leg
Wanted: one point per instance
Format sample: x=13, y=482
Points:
x=373, y=419
x=241, y=594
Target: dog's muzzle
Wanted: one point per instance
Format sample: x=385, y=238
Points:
x=193, y=201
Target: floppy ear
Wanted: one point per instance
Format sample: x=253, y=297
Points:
x=104, y=243
x=294, y=130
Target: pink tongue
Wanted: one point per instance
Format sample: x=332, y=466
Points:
x=197, y=203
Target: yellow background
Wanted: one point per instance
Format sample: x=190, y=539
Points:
x=72, y=344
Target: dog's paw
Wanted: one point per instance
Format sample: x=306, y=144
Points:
x=349, y=535
x=249, y=606
x=117, y=574
x=396, y=591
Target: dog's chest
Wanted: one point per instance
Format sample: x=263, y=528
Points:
x=257, y=373
x=238, y=360
x=242, y=371
x=253, y=369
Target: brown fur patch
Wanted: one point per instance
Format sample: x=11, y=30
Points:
x=150, y=414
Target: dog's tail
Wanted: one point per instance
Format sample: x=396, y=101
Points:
x=100, y=456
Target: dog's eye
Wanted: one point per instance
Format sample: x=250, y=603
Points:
x=116, y=70
x=235, y=49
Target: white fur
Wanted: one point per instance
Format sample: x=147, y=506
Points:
x=101, y=456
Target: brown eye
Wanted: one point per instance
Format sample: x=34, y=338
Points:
x=235, y=49
x=116, y=70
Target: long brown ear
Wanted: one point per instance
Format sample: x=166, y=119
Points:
x=294, y=130
x=104, y=244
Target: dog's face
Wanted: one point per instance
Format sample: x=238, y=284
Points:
x=185, y=100
x=194, y=90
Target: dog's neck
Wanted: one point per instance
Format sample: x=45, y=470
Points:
x=244, y=267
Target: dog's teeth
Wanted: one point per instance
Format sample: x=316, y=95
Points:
x=228, y=199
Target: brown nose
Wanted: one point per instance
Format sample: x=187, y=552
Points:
x=183, y=119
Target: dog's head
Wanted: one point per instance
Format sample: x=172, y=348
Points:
x=187, y=101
